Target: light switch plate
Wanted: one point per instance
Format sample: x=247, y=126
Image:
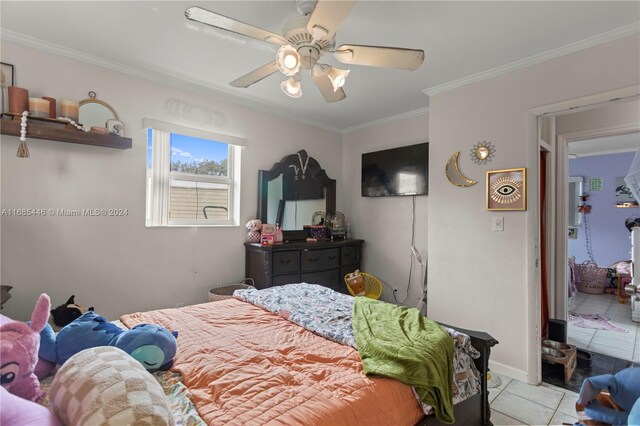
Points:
x=498, y=223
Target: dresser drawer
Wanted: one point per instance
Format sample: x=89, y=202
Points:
x=349, y=255
x=329, y=279
x=285, y=279
x=285, y=262
x=311, y=260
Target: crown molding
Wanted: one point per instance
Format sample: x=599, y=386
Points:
x=603, y=152
x=192, y=85
x=404, y=115
x=567, y=49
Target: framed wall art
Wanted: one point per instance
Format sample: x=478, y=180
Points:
x=507, y=189
x=7, y=78
x=624, y=197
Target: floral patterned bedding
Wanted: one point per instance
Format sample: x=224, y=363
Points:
x=328, y=314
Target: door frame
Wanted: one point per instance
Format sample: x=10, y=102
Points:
x=534, y=359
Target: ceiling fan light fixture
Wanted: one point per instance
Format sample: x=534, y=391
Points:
x=291, y=87
x=338, y=77
x=320, y=69
x=288, y=60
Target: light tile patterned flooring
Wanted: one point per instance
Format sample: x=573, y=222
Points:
x=517, y=403
x=612, y=343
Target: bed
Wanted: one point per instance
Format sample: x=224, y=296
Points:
x=286, y=355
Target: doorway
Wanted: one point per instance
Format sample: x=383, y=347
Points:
x=591, y=148
x=599, y=204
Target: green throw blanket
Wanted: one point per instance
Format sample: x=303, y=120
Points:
x=398, y=342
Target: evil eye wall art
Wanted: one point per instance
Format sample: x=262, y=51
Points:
x=507, y=189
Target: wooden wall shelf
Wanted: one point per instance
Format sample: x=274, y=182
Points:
x=55, y=130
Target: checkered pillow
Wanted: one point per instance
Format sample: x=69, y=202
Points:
x=106, y=386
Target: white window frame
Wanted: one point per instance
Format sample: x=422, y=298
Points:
x=159, y=177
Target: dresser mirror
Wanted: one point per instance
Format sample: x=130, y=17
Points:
x=292, y=191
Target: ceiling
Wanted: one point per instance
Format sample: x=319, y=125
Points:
x=626, y=142
x=460, y=39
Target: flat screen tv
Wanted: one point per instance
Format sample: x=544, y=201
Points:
x=397, y=171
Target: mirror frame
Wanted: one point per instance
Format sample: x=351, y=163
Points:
x=579, y=181
x=92, y=100
x=313, y=169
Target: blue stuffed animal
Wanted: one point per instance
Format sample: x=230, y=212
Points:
x=624, y=388
x=152, y=345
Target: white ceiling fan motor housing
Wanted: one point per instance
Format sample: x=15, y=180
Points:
x=296, y=33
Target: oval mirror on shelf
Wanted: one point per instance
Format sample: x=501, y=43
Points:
x=94, y=112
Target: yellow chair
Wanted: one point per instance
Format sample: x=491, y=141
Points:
x=372, y=286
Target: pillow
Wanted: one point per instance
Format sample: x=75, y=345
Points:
x=106, y=386
x=20, y=411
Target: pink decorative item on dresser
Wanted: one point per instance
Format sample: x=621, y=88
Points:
x=268, y=235
x=253, y=230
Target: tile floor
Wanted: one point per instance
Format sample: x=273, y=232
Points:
x=612, y=343
x=517, y=403
x=553, y=374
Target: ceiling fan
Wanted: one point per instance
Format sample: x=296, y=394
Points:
x=305, y=40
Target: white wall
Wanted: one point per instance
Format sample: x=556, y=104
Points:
x=385, y=222
x=607, y=116
x=479, y=278
x=116, y=264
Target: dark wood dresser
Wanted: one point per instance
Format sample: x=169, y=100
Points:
x=325, y=263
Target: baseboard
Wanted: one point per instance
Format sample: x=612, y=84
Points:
x=505, y=370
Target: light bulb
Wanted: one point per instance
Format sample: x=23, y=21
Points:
x=288, y=60
x=338, y=77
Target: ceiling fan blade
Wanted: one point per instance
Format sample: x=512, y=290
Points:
x=329, y=15
x=326, y=88
x=255, y=75
x=379, y=56
x=216, y=20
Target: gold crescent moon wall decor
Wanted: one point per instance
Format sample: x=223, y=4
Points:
x=454, y=175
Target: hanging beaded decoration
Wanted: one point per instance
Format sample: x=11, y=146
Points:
x=23, y=149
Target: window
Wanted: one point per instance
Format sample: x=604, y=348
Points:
x=191, y=180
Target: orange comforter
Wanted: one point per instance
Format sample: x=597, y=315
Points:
x=245, y=365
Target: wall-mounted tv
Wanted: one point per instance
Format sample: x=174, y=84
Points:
x=397, y=171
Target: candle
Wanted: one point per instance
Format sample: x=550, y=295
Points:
x=39, y=107
x=52, y=106
x=18, y=100
x=70, y=109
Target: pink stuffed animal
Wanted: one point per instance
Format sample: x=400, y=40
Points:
x=19, y=345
